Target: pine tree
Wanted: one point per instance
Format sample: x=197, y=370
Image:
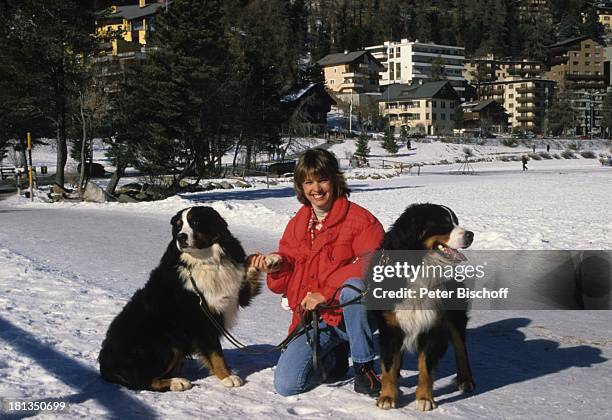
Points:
x=437, y=71
x=560, y=115
x=45, y=49
x=591, y=26
x=362, y=145
x=389, y=143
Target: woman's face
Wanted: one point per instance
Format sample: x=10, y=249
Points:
x=319, y=192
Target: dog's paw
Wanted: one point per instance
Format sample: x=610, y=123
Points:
x=385, y=403
x=180, y=384
x=273, y=262
x=425, y=405
x=465, y=386
x=231, y=381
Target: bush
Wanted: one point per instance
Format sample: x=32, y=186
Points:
x=587, y=154
x=534, y=156
x=556, y=156
x=568, y=154
x=545, y=155
x=505, y=159
x=509, y=142
x=573, y=146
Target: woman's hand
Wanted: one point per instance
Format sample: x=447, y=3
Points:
x=265, y=263
x=312, y=300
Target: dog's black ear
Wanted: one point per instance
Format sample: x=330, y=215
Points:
x=175, y=218
x=405, y=234
x=232, y=247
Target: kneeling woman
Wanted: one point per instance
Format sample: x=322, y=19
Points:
x=322, y=248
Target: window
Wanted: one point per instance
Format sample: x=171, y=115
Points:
x=427, y=115
x=443, y=116
x=587, y=45
x=398, y=70
x=434, y=116
x=443, y=104
x=587, y=54
x=511, y=95
x=434, y=105
x=397, y=52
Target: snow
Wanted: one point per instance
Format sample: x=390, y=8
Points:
x=67, y=269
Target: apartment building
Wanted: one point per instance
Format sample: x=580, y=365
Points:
x=588, y=111
x=490, y=69
x=428, y=107
x=351, y=75
x=578, y=63
x=525, y=100
x=132, y=23
x=604, y=12
x=410, y=62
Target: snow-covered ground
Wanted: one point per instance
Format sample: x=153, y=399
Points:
x=66, y=270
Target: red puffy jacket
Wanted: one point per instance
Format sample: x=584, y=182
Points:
x=337, y=254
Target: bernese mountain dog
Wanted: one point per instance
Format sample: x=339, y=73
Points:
x=163, y=322
x=435, y=230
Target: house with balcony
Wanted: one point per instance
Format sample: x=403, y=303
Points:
x=410, y=62
x=577, y=63
x=128, y=27
x=427, y=107
x=525, y=100
x=351, y=76
x=488, y=116
x=307, y=107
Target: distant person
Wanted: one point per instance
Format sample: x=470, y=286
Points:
x=533, y=147
x=547, y=148
x=408, y=144
x=524, y=159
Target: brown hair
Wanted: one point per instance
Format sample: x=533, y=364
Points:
x=319, y=163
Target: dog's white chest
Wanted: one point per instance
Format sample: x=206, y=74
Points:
x=219, y=283
x=413, y=322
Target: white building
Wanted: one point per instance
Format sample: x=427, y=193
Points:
x=409, y=62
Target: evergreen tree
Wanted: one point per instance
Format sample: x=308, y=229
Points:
x=177, y=98
x=389, y=143
x=561, y=115
x=362, y=145
x=437, y=71
x=45, y=48
x=591, y=26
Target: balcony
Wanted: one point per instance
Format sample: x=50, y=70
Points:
x=525, y=99
x=355, y=75
x=526, y=119
x=585, y=77
x=528, y=89
x=526, y=108
x=350, y=86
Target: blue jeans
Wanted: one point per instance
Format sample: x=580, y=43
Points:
x=294, y=371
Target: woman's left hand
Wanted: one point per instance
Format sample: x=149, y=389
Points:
x=312, y=300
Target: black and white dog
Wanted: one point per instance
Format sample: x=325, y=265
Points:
x=420, y=325
x=163, y=323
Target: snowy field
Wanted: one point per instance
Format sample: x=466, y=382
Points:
x=67, y=269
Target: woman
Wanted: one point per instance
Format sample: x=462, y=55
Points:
x=322, y=248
